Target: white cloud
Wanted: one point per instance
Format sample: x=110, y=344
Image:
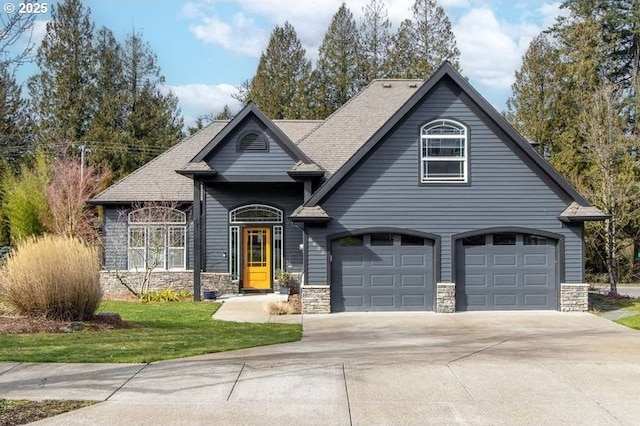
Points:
x=250, y=35
x=39, y=31
x=490, y=50
x=241, y=34
x=196, y=99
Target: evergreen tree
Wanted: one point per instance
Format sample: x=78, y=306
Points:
x=577, y=96
x=435, y=42
x=278, y=88
x=62, y=93
x=532, y=107
x=106, y=133
x=15, y=139
x=375, y=40
x=225, y=114
x=204, y=120
x=401, y=57
x=338, y=73
x=150, y=120
x=423, y=43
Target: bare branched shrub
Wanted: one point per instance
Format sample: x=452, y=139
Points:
x=53, y=277
x=67, y=194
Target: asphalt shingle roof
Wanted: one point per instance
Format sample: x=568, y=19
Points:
x=158, y=181
x=346, y=130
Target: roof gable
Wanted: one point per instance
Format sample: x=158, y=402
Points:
x=251, y=111
x=445, y=71
x=157, y=180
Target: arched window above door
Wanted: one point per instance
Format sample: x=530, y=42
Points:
x=255, y=213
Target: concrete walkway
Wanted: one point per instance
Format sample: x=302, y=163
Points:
x=373, y=368
x=253, y=308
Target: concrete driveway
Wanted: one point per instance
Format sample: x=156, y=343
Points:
x=362, y=369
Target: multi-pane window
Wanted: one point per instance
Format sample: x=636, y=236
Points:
x=157, y=239
x=443, y=152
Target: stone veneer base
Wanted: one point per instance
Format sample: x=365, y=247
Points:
x=445, y=298
x=574, y=297
x=162, y=280
x=316, y=299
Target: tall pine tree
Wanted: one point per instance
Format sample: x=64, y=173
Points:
x=152, y=121
x=280, y=85
x=105, y=136
x=375, y=40
x=423, y=43
x=62, y=93
x=15, y=138
x=533, y=106
x=338, y=75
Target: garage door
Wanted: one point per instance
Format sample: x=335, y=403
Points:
x=382, y=272
x=506, y=271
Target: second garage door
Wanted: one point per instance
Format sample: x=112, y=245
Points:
x=382, y=272
x=506, y=271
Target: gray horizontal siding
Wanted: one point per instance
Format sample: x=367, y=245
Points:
x=115, y=239
x=227, y=161
x=224, y=197
x=384, y=190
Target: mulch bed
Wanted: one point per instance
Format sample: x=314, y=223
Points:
x=22, y=412
x=16, y=324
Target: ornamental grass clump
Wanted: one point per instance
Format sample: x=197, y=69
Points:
x=54, y=277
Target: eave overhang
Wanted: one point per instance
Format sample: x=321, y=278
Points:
x=575, y=213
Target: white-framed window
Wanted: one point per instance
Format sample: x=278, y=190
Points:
x=443, y=152
x=234, y=252
x=157, y=239
x=255, y=213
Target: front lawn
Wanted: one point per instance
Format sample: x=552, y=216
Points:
x=163, y=331
x=632, y=321
x=603, y=303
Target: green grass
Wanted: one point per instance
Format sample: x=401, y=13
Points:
x=632, y=321
x=165, y=331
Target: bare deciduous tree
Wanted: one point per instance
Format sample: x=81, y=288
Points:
x=15, y=38
x=70, y=187
x=610, y=181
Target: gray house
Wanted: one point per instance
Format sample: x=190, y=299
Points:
x=412, y=196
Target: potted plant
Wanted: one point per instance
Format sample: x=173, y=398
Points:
x=285, y=281
x=210, y=294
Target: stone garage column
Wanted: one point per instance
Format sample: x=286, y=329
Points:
x=445, y=298
x=316, y=299
x=574, y=297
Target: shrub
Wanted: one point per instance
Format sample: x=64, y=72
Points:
x=280, y=308
x=52, y=276
x=168, y=295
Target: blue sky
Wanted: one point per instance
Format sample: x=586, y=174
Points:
x=206, y=48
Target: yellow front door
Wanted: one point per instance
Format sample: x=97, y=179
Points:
x=256, y=266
